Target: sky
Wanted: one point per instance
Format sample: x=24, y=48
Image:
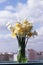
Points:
x=18, y=10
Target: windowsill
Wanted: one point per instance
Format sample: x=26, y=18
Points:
x=15, y=62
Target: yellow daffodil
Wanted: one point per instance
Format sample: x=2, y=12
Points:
x=17, y=28
x=25, y=28
x=12, y=29
x=25, y=22
x=20, y=30
x=13, y=35
x=16, y=31
x=17, y=25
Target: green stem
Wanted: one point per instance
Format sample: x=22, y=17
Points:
x=23, y=47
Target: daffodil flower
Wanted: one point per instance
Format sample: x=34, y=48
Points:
x=13, y=35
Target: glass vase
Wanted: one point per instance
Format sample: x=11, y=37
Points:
x=21, y=58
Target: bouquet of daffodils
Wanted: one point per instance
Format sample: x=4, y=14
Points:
x=22, y=31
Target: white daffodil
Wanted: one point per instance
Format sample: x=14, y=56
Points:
x=8, y=24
